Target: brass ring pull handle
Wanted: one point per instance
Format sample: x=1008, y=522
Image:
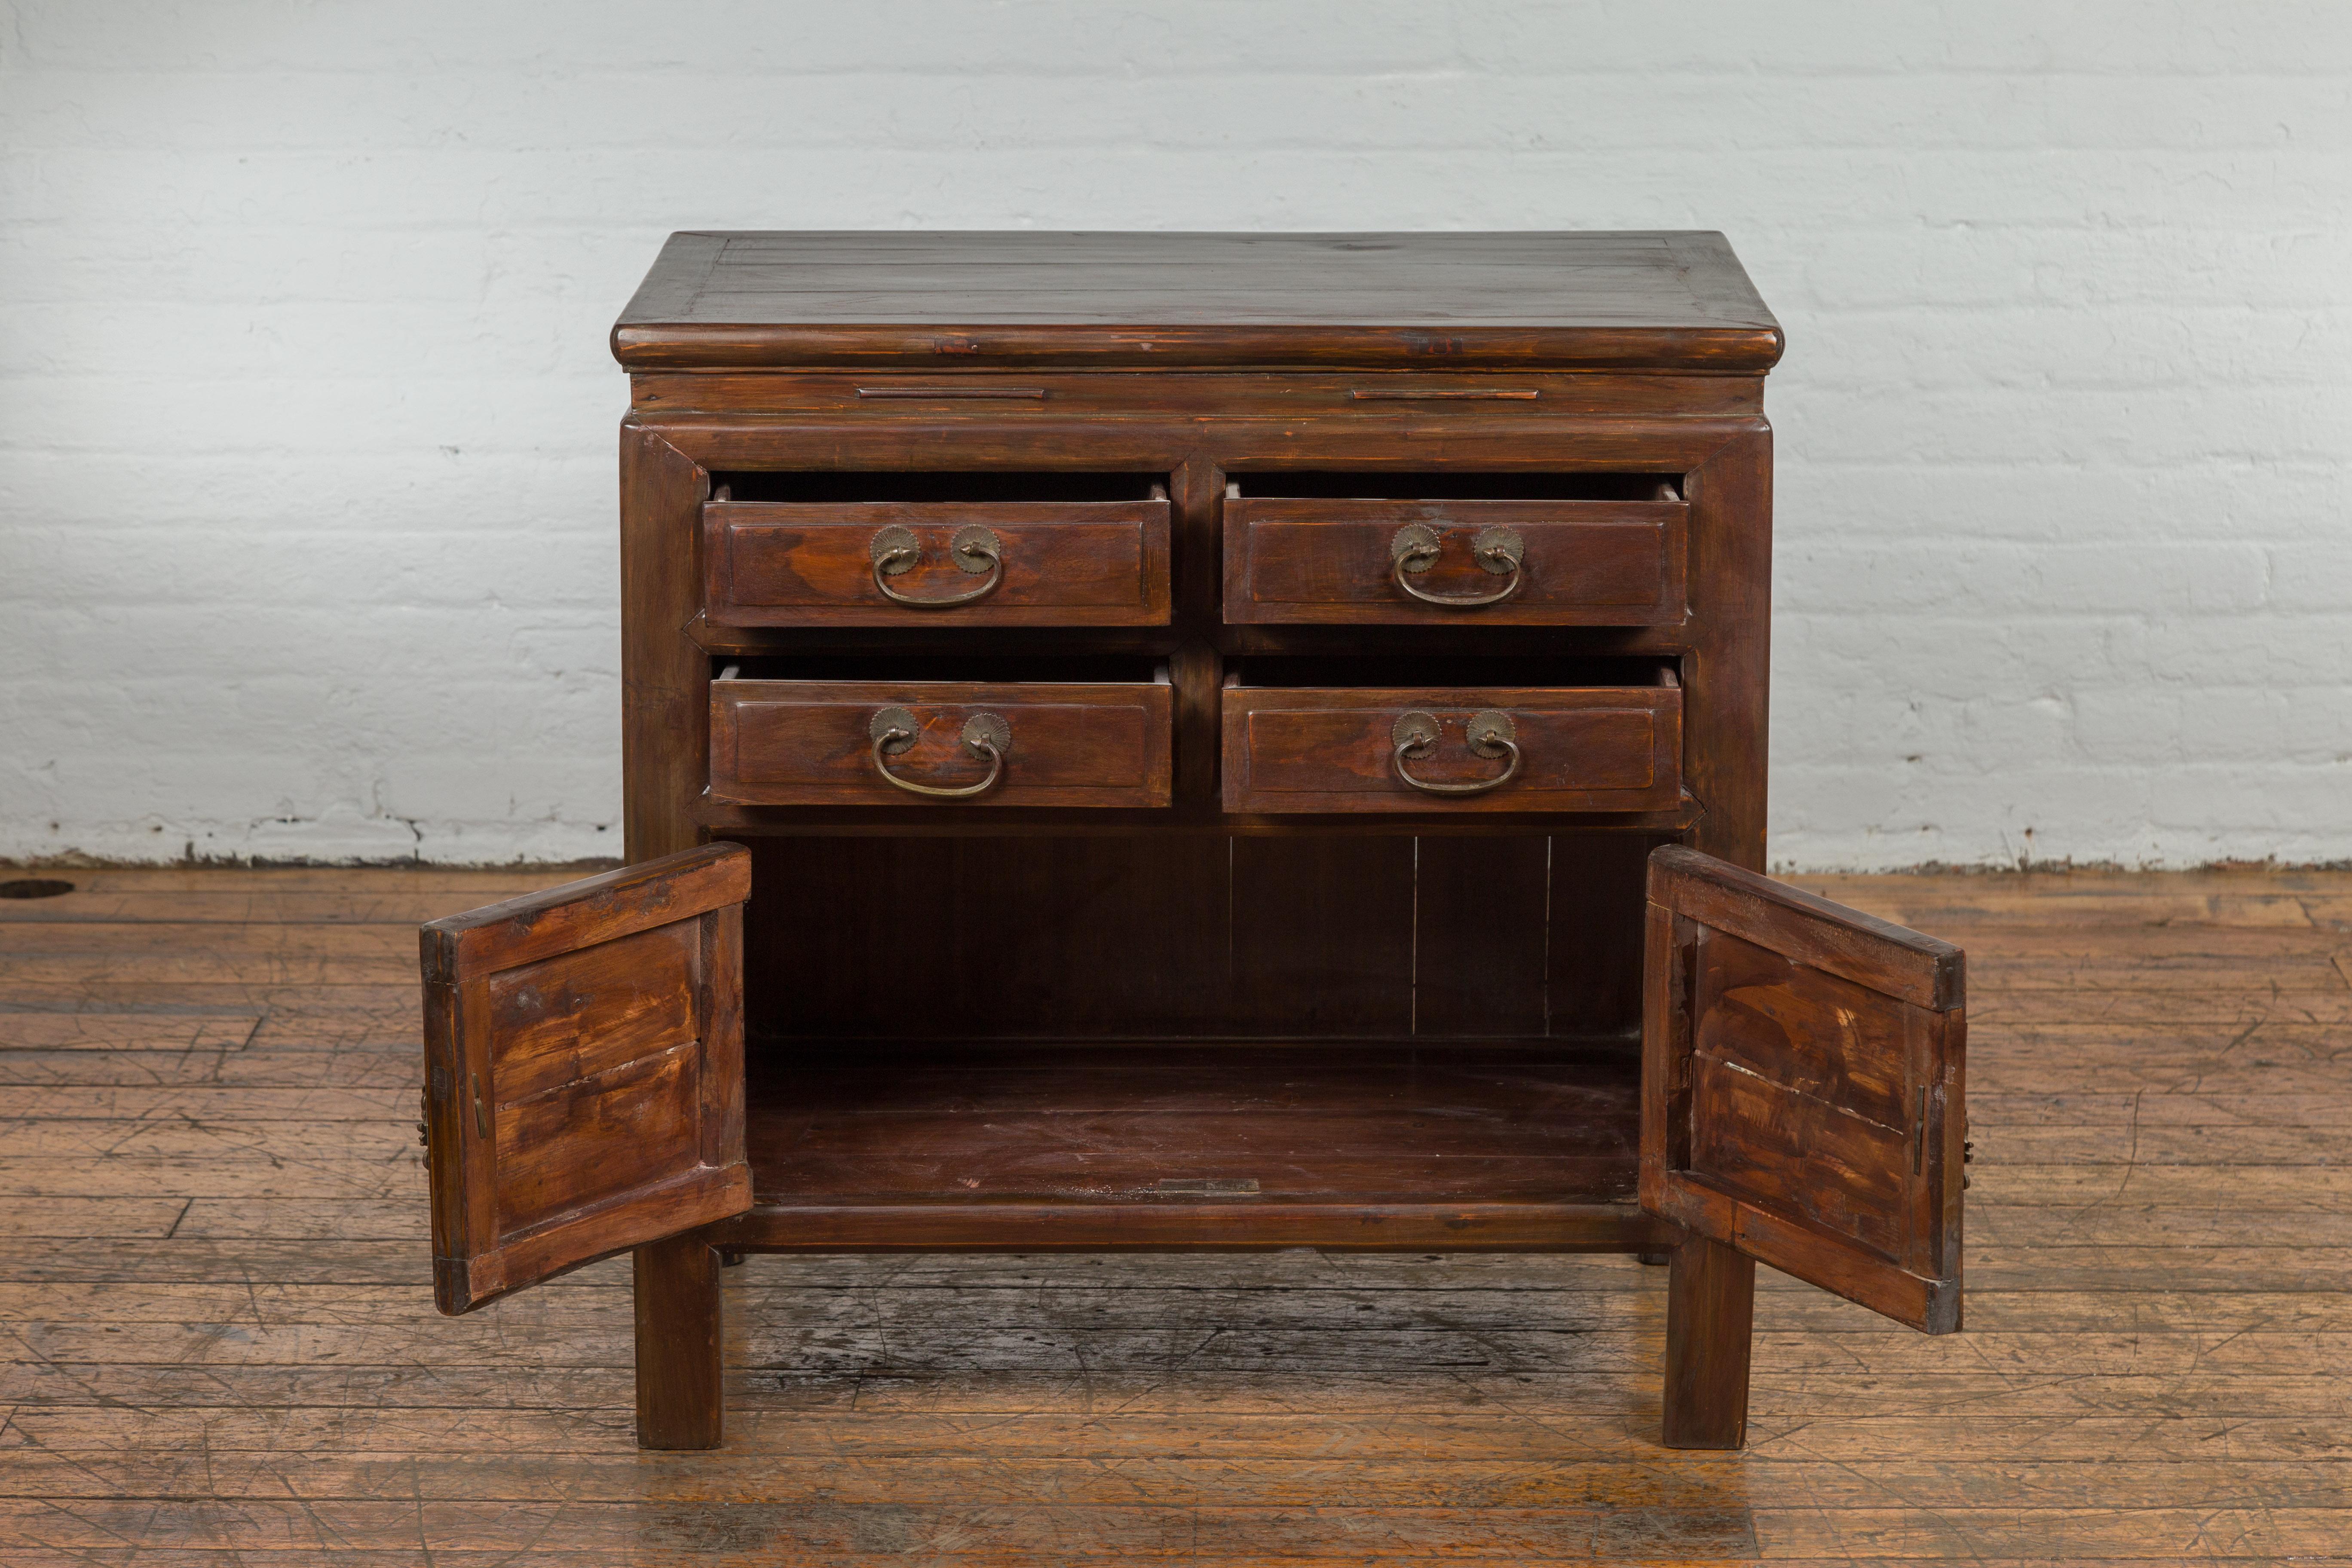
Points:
x=984, y=735
x=974, y=548
x=1491, y=734
x=1416, y=548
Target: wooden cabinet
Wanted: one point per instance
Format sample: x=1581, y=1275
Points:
x=1195, y=741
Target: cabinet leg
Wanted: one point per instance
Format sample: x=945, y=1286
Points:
x=1710, y=1312
x=680, y=1395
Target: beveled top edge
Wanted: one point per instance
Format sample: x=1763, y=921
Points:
x=1674, y=300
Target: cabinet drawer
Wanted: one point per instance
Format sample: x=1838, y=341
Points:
x=1347, y=749
x=843, y=742
x=1005, y=564
x=1500, y=562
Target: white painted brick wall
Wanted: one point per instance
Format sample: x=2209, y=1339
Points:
x=307, y=426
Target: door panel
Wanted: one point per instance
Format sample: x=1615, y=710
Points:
x=583, y=1053
x=565, y=1019
x=1802, y=1078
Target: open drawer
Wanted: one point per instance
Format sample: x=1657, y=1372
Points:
x=1536, y=550
x=868, y=733
x=874, y=550
x=1311, y=735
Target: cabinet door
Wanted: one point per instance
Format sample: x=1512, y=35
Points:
x=583, y=1072
x=1802, y=1093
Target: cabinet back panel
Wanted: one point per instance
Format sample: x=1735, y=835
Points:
x=1144, y=938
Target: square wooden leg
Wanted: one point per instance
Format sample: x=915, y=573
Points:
x=1710, y=1319
x=680, y=1388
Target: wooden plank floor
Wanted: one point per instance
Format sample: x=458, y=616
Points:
x=222, y=1347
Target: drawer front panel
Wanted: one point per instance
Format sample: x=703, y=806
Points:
x=806, y=742
x=1335, y=562
x=1077, y=563
x=1335, y=750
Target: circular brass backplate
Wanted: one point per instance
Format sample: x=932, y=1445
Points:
x=1485, y=728
x=1500, y=550
x=1414, y=729
x=991, y=727
x=960, y=548
x=891, y=719
x=1414, y=547
x=896, y=550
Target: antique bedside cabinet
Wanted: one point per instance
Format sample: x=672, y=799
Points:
x=1191, y=740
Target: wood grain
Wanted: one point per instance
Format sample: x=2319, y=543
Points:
x=1382, y=1127
x=1313, y=561
x=964, y=394
x=1520, y=301
x=794, y=742
x=1803, y=1086
x=664, y=717
x=583, y=1061
x=1087, y=563
x=1329, y=749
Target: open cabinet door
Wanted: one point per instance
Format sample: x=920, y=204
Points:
x=1801, y=1086
x=583, y=1072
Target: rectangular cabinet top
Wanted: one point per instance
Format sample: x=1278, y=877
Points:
x=1674, y=301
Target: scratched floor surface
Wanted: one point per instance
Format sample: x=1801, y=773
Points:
x=222, y=1348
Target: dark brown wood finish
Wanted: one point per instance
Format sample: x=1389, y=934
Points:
x=1309, y=749
x=957, y=393
x=1368, y=1128
x=1271, y=936
x=1710, y=1317
x=1197, y=1222
x=811, y=743
x=680, y=1343
x=665, y=709
x=583, y=1072
x=1803, y=1086
x=1601, y=563
x=916, y=301
x=1073, y=564
x=1198, y=923
x=1726, y=661
x=1246, y=1144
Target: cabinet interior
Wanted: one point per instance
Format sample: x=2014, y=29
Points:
x=1352, y=1017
